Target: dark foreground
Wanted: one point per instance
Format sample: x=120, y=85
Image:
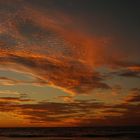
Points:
x=69, y=133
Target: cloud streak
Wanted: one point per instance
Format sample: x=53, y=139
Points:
x=77, y=113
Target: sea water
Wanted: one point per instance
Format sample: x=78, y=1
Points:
x=71, y=133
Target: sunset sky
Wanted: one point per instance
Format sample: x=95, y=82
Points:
x=69, y=63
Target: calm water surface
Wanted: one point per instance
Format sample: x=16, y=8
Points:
x=77, y=138
x=94, y=133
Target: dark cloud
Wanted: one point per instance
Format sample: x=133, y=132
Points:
x=134, y=96
x=117, y=115
x=49, y=111
x=78, y=113
x=10, y=104
x=130, y=115
x=126, y=69
x=133, y=74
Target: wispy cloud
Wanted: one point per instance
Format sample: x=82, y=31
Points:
x=80, y=112
x=5, y=92
x=41, y=45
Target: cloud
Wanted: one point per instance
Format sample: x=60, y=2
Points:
x=50, y=113
x=51, y=71
x=13, y=99
x=75, y=113
x=8, y=92
x=126, y=69
x=134, y=96
x=8, y=81
x=10, y=104
x=39, y=43
x=129, y=73
x=67, y=99
x=50, y=46
x=116, y=115
x=128, y=115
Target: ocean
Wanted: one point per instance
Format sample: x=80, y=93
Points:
x=71, y=133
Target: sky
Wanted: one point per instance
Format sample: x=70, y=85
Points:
x=69, y=63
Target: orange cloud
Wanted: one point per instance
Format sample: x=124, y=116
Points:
x=37, y=43
x=53, y=49
x=134, y=96
x=77, y=113
x=52, y=70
